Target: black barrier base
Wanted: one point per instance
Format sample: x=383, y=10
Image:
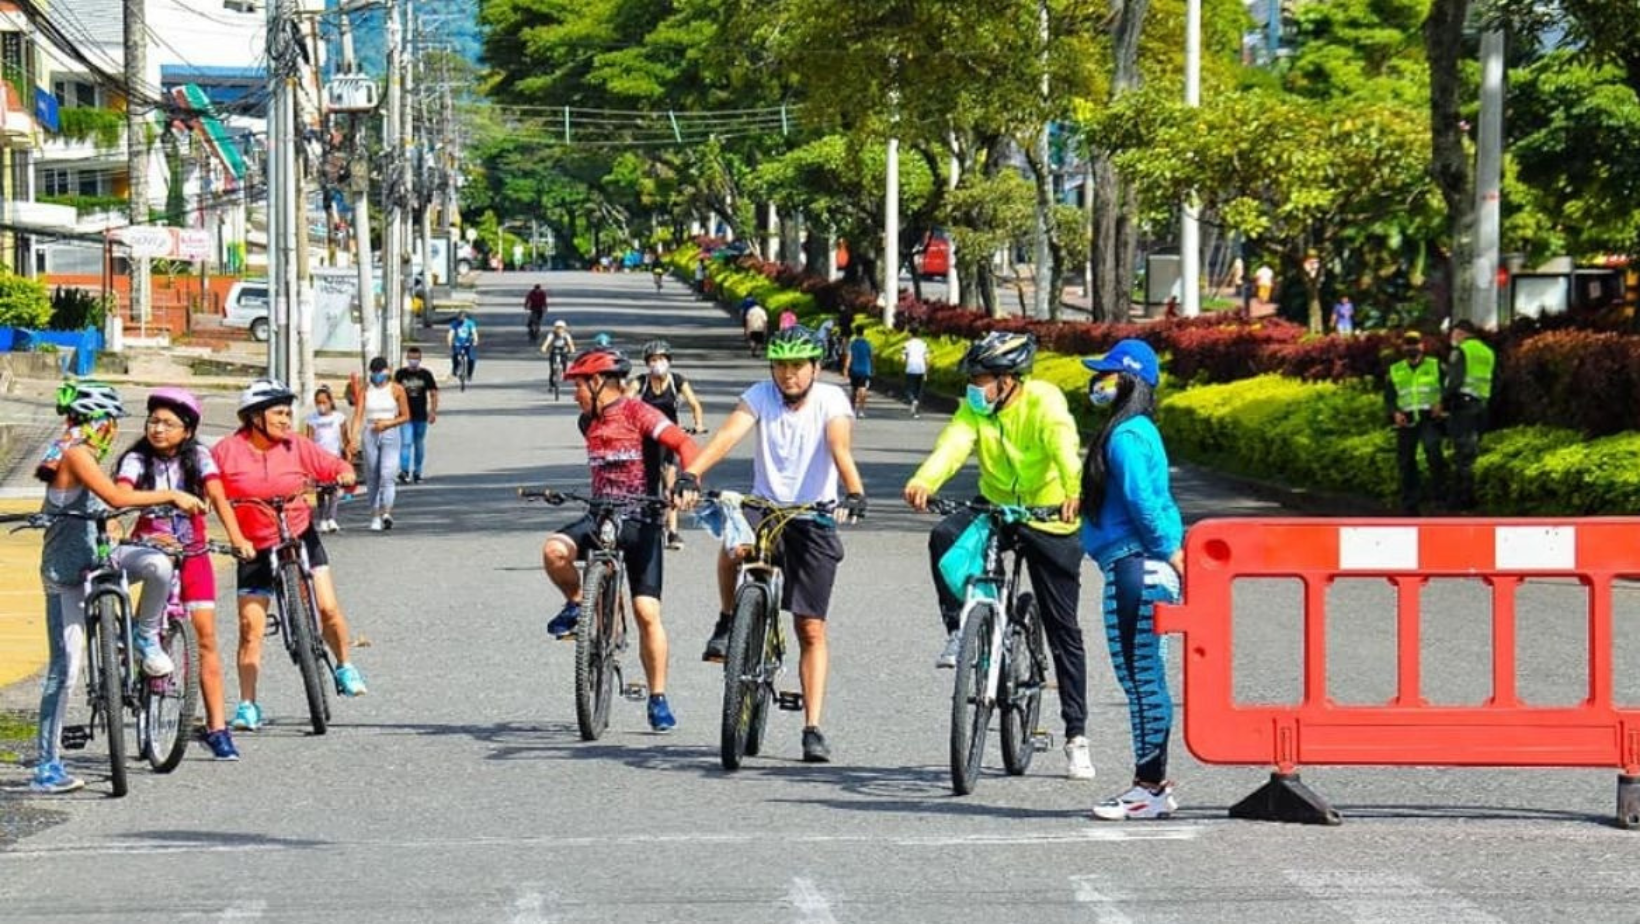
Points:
x=1286, y=798
x=1628, y=801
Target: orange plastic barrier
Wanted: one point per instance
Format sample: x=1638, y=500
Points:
x=1406, y=731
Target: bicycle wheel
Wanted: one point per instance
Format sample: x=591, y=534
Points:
x=168, y=703
x=1022, y=682
x=108, y=613
x=970, y=714
x=765, y=690
x=461, y=371
x=302, y=621
x=594, y=667
x=553, y=378
x=744, y=679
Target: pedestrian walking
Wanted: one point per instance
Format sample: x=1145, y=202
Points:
x=1412, y=396
x=329, y=428
x=915, y=353
x=1132, y=530
x=1469, y=372
x=377, y=419
x=857, y=369
x=1264, y=281
x=1343, y=316
x=421, y=389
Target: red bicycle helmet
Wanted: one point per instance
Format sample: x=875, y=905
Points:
x=604, y=361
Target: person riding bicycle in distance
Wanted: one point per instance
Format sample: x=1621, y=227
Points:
x=558, y=343
x=1029, y=456
x=462, y=339
x=624, y=437
x=805, y=430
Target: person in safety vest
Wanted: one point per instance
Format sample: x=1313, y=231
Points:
x=1412, y=395
x=1468, y=390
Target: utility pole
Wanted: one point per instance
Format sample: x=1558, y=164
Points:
x=359, y=188
x=392, y=190
x=136, y=147
x=1483, y=309
x=1043, y=302
x=891, y=208
x=1190, y=245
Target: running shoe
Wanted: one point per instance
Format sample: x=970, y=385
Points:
x=673, y=540
x=717, y=647
x=221, y=744
x=1138, y=803
x=563, y=625
x=953, y=647
x=660, y=714
x=51, y=779
x=375, y=524
x=155, y=662
x=815, y=749
x=1078, y=762
x=349, y=682
x=248, y=717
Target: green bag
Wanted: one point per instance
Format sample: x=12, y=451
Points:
x=966, y=557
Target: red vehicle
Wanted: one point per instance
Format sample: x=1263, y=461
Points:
x=933, y=257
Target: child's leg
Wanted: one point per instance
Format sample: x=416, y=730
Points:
x=65, y=637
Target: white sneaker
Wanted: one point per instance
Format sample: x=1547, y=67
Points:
x=375, y=524
x=953, y=647
x=1078, y=763
x=335, y=527
x=1138, y=803
x=155, y=662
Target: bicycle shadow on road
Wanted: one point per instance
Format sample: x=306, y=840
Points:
x=219, y=840
x=556, y=740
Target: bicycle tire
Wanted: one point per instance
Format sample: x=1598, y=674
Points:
x=744, y=682
x=302, y=622
x=594, y=670
x=970, y=718
x=1022, y=684
x=108, y=702
x=169, y=703
x=765, y=691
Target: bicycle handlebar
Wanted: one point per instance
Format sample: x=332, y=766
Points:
x=173, y=549
x=623, y=501
x=946, y=505
x=40, y=519
x=282, y=500
x=764, y=503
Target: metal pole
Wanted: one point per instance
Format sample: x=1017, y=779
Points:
x=136, y=144
x=891, y=235
x=1190, y=245
x=1488, y=181
x=272, y=167
x=359, y=186
x=953, y=293
x=1042, y=300
x=393, y=226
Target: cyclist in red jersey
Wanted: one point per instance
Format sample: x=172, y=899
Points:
x=622, y=435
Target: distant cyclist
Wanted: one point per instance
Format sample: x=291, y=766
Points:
x=662, y=389
x=559, y=345
x=754, y=321
x=536, y=304
x=462, y=340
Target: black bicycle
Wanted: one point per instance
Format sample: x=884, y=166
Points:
x=533, y=324
x=757, y=640
x=606, y=602
x=556, y=362
x=463, y=365
x=1002, y=662
x=295, y=615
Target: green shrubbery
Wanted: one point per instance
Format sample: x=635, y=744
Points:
x=23, y=302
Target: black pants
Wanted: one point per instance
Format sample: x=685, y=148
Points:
x=1425, y=431
x=1055, y=566
x=1467, y=421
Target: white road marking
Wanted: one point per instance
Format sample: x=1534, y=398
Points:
x=1073, y=833
x=531, y=907
x=1101, y=902
x=812, y=905
x=248, y=910
x=1376, y=897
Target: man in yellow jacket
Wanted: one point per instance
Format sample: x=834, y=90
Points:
x=1029, y=455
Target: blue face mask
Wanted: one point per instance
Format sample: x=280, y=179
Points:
x=377, y=378
x=1102, y=391
x=978, y=403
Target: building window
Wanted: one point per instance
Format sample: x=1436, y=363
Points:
x=75, y=94
x=89, y=183
x=58, y=183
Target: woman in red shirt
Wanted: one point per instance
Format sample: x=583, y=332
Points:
x=265, y=458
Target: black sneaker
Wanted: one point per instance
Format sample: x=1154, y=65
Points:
x=717, y=647
x=404, y=478
x=673, y=540
x=815, y=749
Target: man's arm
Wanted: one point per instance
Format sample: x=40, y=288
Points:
x=840, y=438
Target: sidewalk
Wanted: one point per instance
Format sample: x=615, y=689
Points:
x=22, y=606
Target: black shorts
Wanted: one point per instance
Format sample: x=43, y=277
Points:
x=256, y=578
x=810, y=551
x=858, y=382
x=642, y=545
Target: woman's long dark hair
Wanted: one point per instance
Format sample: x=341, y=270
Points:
x=1134, y=398
x=187, y=452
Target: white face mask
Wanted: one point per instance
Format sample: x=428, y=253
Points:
x=659, y=367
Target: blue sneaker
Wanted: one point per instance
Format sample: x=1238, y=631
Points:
x=51, y=779
x=221, y=744
x=563, y=625
x=155, y=662
x=248, y=717
x=349, y=682
x=660, y=714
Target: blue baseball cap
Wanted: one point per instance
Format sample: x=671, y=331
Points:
x=1134, y=357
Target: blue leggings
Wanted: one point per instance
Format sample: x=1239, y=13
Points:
x=65, y=639
x=1133, y=584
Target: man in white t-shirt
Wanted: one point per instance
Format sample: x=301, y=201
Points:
x=915, y=353
x=804, y=431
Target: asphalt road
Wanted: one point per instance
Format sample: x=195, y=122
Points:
x=458, y=790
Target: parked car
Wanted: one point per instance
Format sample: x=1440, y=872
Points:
x=247, y=308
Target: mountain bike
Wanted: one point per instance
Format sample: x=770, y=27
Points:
x=463, y=366
x=533, y=325
x=555, y=370
x=295, y=614
x=1003, y=662
x=606, y=604
x=757, y=640
x=167, y=705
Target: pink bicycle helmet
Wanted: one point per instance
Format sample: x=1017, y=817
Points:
x=179, y=401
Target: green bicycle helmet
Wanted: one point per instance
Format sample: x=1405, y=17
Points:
x=796, y=343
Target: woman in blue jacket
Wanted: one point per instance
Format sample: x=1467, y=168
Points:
x=1132, y=529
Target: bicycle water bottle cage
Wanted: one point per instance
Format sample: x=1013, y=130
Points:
x=76, y=737
x=789, y=700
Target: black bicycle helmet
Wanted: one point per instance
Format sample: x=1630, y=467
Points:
x=1000, y=353
x=657, y=348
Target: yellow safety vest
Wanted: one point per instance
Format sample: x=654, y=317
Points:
x=1417, y=388
x=1478, y=360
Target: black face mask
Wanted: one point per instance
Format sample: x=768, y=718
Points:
x=1413, y=355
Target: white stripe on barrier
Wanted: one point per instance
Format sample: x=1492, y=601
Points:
x=1378, y=548
x=1535, y=548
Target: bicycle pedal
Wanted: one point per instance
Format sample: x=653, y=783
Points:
x=272, y=627
x=76, y=737
x=789, y=700
x=1041, y=741
x=636, y=692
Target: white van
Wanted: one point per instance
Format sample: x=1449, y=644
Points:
x=247, y=308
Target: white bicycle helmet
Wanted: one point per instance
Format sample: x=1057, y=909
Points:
x=89, y=400
x=263, y=394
